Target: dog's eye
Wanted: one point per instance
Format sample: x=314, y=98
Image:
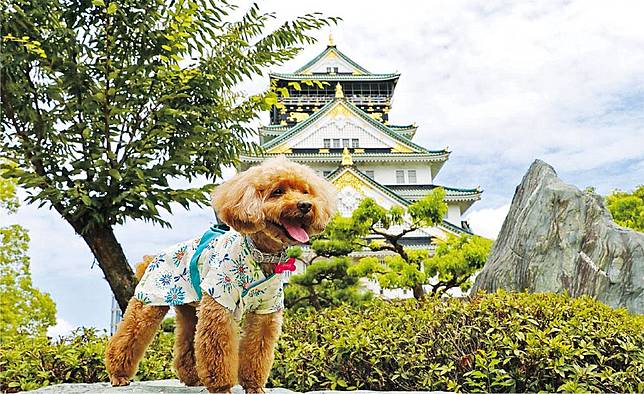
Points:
x=277, y=192
x=305, y=192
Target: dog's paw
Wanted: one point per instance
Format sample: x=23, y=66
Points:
x=191, y=382
x=119, y=381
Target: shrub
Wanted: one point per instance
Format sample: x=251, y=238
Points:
x=501, y=342
x=27, y=363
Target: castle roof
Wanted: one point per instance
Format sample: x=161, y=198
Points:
x=356, y=111
x=407, y=131
x=330, y=51
x=334, y=77
x=352, y=71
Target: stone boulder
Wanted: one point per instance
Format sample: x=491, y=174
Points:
x=558, y=238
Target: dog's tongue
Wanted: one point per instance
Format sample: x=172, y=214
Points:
x=296, y=232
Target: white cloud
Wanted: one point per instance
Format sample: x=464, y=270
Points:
x=61, y=328
x=487, y=222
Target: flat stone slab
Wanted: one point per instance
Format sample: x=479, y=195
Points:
x=150, y=386
x=172, y=386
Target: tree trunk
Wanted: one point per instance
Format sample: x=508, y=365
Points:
x=419, y=292
x=112, y=260
x=315, y=301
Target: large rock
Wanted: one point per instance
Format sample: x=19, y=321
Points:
x=558, y=238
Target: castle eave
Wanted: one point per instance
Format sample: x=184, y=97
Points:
x=334, y=77
x=357, y=157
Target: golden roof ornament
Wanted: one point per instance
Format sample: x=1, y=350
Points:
x=331, y=44
x=346, y=157
x=338, y=91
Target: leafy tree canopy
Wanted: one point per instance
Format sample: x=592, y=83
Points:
x=404, y=269
x=627, y=208
x=456, y=259
x=453, y=263
x=23, y=308
x=325, y=283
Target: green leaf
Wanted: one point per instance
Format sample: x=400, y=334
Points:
x=114, y=173
x=270, y=99
x=111, y=9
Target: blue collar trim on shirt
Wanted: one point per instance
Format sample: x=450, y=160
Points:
x=213, y=232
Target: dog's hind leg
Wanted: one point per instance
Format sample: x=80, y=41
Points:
x=216, y=346
x=184, y=345
x=256, y=349
x=134, y=334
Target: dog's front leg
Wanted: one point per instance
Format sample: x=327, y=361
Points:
x=134, y=334
x=256, y=351
x=216, y=346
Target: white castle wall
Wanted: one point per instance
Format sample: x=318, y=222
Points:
x=385, y=174
x=454, y=214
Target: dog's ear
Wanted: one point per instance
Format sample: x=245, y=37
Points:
x=325, y=202
x=239, y=204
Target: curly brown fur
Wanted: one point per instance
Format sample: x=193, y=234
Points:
x=134, y=334
x=259, y=202
x=256, y=349
x=142, y=266
x=216, y=346
x=248, y=202
x=184, y=350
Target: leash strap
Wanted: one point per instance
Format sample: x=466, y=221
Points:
x=212, y=233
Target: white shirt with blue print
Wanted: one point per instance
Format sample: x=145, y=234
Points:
x=227, y=271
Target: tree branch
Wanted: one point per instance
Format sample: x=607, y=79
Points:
x=297, y=301
x=36, y=163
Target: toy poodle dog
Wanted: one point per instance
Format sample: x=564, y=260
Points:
x=214, y=280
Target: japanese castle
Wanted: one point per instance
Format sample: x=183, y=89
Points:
x=342, y=130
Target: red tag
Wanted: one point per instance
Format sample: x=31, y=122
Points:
x=288, y=265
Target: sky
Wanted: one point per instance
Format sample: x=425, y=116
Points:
x=501, y=83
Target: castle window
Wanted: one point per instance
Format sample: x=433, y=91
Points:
x=327, y=142
x=411, y=176
x=400, y=176
x=355, y=142
x=345, y=143
x=336, y=142
x=369, y=173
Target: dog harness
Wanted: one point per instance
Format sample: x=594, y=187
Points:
x=220, y=263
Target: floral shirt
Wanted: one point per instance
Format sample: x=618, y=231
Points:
x=227, y=272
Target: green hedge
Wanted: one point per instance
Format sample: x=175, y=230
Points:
x=27, y=363
x=501, y=342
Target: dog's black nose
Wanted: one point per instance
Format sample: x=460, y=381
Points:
x=304, y=206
